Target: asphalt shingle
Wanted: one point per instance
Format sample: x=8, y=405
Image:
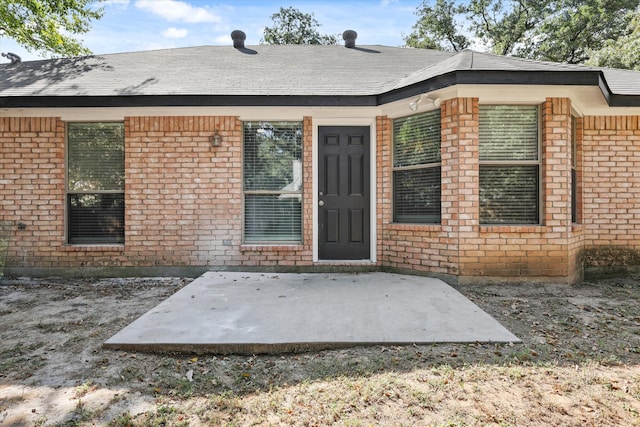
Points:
x=282, y=70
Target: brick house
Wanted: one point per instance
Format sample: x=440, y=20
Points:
x=467, y=166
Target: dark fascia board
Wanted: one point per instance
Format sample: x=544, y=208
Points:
x=624, y=101
x=488, y=77
x=477, y=77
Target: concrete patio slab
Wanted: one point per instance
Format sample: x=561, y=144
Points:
x=231, y=312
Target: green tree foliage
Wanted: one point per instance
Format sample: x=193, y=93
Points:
x=576, y=27
x=437, y=28
x=270, y=152
x=290, y=26
x=48, y=26
x=551, y=30
x=507, y=26
x=623, y=52
x=96, y=156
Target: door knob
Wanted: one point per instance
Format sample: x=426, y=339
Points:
x=320, y=203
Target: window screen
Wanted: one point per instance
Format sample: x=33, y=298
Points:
x=272, y=182
x=95, y=183
x=416, y=168
x=509, y=165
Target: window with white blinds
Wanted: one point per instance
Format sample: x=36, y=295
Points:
x=272, y=182
x=95, y=183
x=416, y=169
x=509, y=154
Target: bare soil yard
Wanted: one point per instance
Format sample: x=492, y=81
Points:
x=579, y=365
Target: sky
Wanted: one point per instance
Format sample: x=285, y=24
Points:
x=135, y=25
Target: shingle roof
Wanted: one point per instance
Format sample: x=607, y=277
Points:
x=281, y=71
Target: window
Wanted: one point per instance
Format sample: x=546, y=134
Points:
x=509, y=165
x=95, y=183
x=574, y=174
x=272, y=182
x=416, y=169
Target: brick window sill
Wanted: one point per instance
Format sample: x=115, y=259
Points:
x=271, y=248
x=411, y=227
x=93, y=248
x=513, y=228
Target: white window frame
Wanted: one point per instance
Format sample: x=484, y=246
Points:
x=69, y=192
x=516, y=163
x=286, y=193
x=421, y=166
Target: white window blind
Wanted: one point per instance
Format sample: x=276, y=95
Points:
x=95, y=183
x=272, y=182
x=509, y=164
x=416, y=168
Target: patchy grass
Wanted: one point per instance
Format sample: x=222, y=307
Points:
x=578, y=365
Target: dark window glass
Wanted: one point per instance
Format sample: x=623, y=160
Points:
x=509, y=164
x=416, y=169
x=95, y=183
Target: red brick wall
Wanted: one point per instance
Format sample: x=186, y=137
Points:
x=32, y=187
x=460, y=245
x=576, y=236
x=184, y=199
x=433, y=248
x=539, y=251
x=611, y=192
x=179, y=198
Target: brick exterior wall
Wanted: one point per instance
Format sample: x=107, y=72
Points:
x=611, y=190
x=32, y=189
x=577, y=234
x=460, y=246
x=184, y=199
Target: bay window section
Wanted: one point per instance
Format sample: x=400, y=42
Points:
x=272, y=182
x=417, y=169
x=509, y=154
x=95, y=183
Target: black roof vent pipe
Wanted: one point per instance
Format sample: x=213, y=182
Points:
x=349, y=38
x=238, y=38
x=15, y=59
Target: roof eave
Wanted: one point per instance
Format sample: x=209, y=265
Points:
x=496, y=77
x=459, y=77
x=188, y=101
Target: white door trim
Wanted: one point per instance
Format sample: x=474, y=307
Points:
x=341, y=121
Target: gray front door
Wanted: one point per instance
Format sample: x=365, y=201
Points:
x=343, y=193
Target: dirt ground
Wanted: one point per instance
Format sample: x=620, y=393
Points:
x=578, y=365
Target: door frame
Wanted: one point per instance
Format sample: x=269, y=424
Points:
x=371, y=122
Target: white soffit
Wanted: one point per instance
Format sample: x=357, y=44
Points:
x=243, y=113
x=585, y=100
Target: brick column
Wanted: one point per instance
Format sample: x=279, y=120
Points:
x=556, y=165
x=384, y=183
x=460, y=192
